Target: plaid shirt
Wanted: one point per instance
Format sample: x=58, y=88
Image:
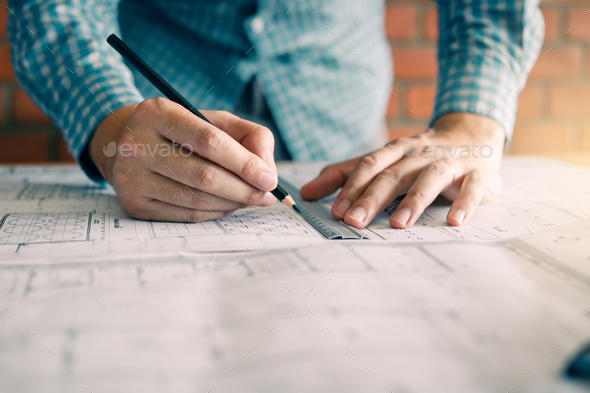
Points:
x=324, y=66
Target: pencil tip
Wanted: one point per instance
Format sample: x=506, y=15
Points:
x=296, y=208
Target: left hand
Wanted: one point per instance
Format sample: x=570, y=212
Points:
x=413, y=166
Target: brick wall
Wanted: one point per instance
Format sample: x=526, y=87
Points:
x=553, y=110
x=553, y=113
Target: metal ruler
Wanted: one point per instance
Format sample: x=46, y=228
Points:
x=320, y=217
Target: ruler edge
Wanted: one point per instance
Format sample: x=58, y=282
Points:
x=289, y=188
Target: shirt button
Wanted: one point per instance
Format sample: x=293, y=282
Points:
x=258, y=24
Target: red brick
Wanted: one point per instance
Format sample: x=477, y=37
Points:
x=404, y=131
x=580, y=19
x=24, y=147
x=529, y=102
x=25, y=111
x=3, y=18
x=400, y=22
x=420, y=100
x=431, y=24
x=63, y=152
x=558, y=63
x=6, y=73
x=392, y=110
x=551, y=16
x=570, y=101
x=539, y=138
x=414, y=62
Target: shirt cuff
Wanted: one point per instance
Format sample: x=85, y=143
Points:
x=478, y=89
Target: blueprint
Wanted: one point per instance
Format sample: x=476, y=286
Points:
x=63, y=215
x=55, y=213
x=94, y=301
x=326, y=318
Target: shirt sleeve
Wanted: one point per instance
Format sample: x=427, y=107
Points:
x=486, y=50
x=61, y=58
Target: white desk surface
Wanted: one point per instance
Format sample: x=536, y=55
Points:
x=92, y=300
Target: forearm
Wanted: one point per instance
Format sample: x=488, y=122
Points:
x=62, y=60
x=486, y=50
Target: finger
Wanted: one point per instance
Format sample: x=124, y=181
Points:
x=161, y=211
x=254, y=137
x=170, y=191
x=389, y=184
x=433, y=179
x=331, y=178
x=475, y=190
x=366, y=170
x=468, y=199
x=208, y=141
x=206, y=176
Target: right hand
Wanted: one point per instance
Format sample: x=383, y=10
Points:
x=222, y=168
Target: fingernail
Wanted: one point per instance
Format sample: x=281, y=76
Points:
x=342, y=207
x=269, y=158
x=402, y=215
x=267, y=181
x=269, y=200
x=458, y=215
x=358, y=213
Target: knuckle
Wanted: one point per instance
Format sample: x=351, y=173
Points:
x=417, y=197
x=197, y=216
x=265, y=131
x=249, y=167
x=200, y=200
x=368, y=161
x=151, y=106
x=209, y=141
x=390, y=174
x=127, y=138
x=440, y=168
x=205, y=177
x=478, y=178
x=368, y=200
x=254, y=197
x=351, y=191
x=468, y=201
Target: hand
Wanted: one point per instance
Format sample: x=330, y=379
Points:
x=413, y=166
x=172, y=166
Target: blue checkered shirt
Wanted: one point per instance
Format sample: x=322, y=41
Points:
x=324, y=66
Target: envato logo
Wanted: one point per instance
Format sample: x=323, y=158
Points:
x=444, y=151
x=163, y=150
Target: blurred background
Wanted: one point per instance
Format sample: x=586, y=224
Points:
x=553, y=116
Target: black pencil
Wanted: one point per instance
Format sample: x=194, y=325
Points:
x=175, y=96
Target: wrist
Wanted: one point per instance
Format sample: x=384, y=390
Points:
x=480, y=127
x=109, y=130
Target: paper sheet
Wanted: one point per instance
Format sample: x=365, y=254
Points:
x=324, y=318
x=58, y=209
x=92, y=300
x=55, y=213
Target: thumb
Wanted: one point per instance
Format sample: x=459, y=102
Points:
x=329, y=180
